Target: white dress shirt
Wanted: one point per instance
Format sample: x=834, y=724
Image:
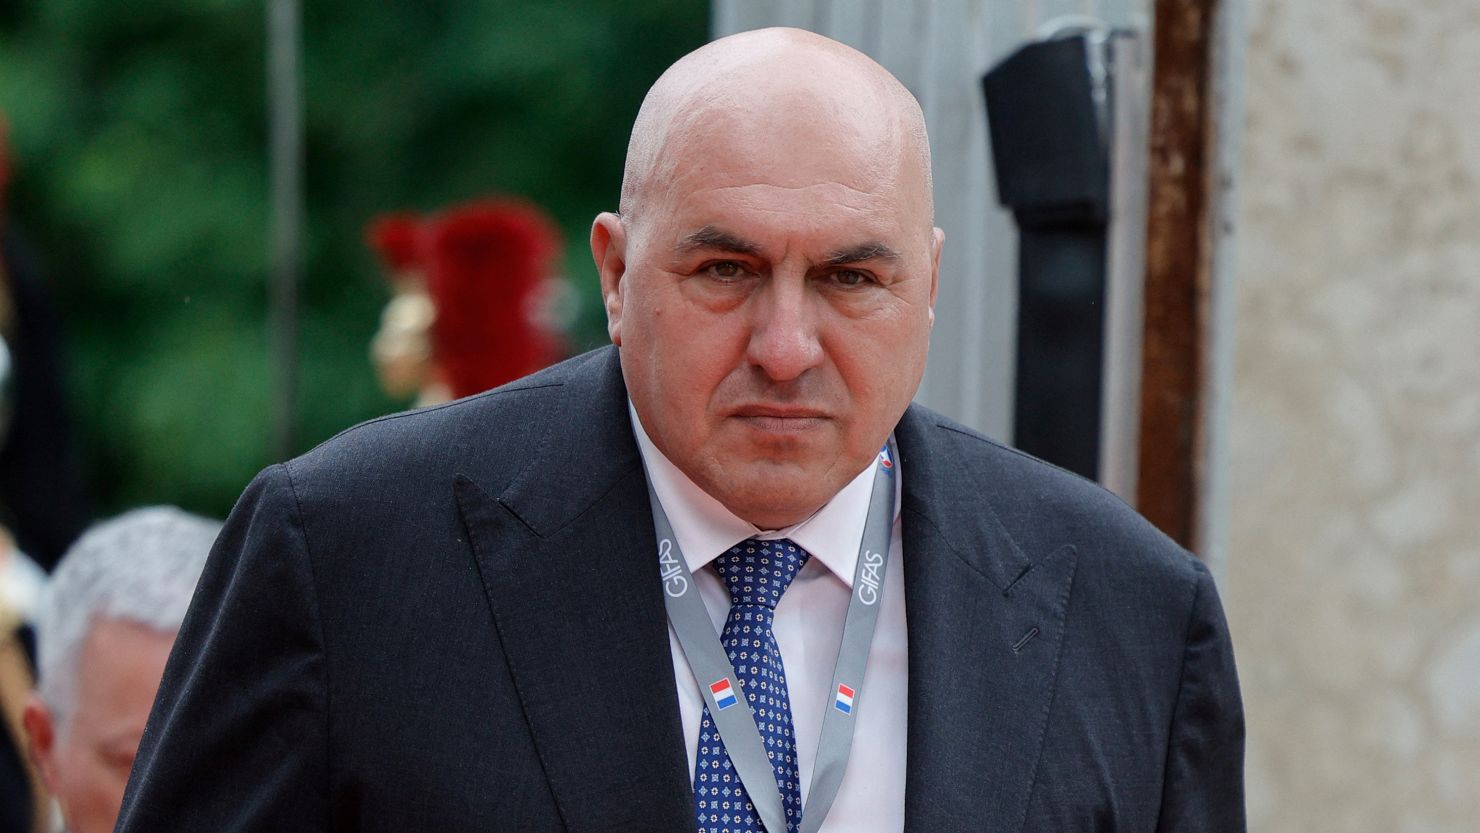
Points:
x=809, y=630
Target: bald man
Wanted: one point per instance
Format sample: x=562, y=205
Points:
x=721, y=576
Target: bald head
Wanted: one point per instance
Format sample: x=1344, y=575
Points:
x=775, y=88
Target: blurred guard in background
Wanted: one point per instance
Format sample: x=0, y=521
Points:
x=42, y=508
x=41, y=497
x=22, y=799
x=104, y=629
x=477, y=301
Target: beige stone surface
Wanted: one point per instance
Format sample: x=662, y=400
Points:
x=1353, y=584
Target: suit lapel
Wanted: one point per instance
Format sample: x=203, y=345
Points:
x=985, y=625
x=566, y=555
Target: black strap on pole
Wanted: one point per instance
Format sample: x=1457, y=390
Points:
x=1049, y=121
x=285, y=153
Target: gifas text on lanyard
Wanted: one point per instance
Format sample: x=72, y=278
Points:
x=707, y=658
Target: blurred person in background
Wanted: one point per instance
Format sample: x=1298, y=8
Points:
x=23, y=801
x=105, y=626
x=477, y=300
x=42, y=502
x=42, y=507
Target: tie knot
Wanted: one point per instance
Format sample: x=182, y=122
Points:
x=757, y=572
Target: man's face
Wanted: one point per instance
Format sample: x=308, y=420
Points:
x=87, y=766
x=773, y=302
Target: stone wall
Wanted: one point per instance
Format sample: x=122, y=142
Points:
x=1353, y=577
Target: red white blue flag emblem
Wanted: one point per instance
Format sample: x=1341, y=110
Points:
x=844, y=701
x=724, y=694
x=884, y=458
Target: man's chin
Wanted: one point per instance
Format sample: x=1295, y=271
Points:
x=768, y=517
x=774, y=496
x=777, y=445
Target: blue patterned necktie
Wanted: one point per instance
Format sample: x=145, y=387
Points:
x=756, y=574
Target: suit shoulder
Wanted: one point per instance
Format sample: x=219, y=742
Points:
x=506, y=423
x=1037, y=500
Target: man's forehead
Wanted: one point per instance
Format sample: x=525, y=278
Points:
x=785, y=164
x=765, y=219
x=726, y=207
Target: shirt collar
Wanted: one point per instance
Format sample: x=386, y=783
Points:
x=705, y=528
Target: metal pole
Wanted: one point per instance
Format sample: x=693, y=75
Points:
x=1120, y=422
x=285, y=120
x=1177, y=267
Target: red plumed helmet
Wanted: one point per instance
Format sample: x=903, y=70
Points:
x=489, y=267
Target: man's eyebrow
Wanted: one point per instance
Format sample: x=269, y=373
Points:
x=713, y=237
x=871, y=250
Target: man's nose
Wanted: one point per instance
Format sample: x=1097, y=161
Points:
x=784, y=338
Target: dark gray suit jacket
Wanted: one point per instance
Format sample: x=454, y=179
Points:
x=451, y=620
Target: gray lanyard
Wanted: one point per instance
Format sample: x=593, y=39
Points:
x=718, y=683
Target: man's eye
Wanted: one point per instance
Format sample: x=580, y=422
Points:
x=725, y=269
x=850, y=277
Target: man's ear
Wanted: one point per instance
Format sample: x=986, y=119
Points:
x=609, y=250
x=939, y=237
x=41, y=730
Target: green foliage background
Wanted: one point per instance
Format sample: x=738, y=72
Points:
x=140, y=132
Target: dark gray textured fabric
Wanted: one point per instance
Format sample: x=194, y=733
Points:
x=451, y=620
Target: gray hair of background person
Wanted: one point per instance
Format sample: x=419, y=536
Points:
x=140, y=567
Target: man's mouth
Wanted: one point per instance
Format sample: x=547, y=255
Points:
x=781, y=419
